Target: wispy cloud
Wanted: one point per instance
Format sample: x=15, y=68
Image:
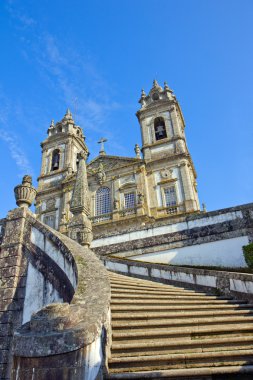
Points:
x=71, y=75
x=24, y=20
x=16, y=152
x=7, y=113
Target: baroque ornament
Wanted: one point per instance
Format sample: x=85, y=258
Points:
x=25, y=193
x=100, y=174
x=166, y=173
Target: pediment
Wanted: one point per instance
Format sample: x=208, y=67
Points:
x=111, y=162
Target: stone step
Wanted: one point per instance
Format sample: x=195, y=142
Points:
x=176, y=306
x=116, y=325
x=187, y=360
x=145, y=287
x=184, y=345
x=193, y=332
x=174, y=301
x=142, y=292
x=162, y=331
x=135, y=298
x=178, y=314
x=186, y=373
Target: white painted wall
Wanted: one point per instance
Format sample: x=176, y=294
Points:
x=39, y=293
x=227, y=253
x=93, y=359
x=176, y=227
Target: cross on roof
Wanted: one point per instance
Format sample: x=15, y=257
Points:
x=102, y=149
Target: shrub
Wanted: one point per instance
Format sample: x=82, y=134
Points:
x=248, y=254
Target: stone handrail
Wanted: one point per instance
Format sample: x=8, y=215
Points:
x=77, y=324
x=234, y=284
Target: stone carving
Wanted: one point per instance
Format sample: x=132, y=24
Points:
x=116, y=204
x=80, y=225
x=137, y=150
x=140, y=198
x=166, y=173
x=25, y=193
x=100, y=174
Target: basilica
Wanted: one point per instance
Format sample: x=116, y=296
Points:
x=156, y=186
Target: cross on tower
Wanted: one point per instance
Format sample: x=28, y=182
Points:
x=102, y=149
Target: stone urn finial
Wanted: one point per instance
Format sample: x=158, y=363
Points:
x=25, y=193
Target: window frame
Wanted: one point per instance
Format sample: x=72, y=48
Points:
x=127, y=193
x=98, y=208
x=164, y=188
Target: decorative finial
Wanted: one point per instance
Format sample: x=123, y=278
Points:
x=68, y=115
x=166, y=87
x=25, y=193
x=143, y=93
x=155, y=83
x=52, y=123
x=203, y=207
x=102, y=149
x=137, y=150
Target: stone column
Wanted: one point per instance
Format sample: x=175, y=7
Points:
x=188, y=187
x=13, y=267
x=175, y=122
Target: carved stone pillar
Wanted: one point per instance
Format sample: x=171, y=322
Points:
x=80, y=228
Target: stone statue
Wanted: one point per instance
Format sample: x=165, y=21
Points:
x=140, y=198
x=137, y=150
x=116, y=204
x=100, y=174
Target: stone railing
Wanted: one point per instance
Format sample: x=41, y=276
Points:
x=128, y=211
x=218, y=282
x=59, y=288
x=101, y=218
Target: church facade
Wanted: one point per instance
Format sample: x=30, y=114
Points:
x=156, y=186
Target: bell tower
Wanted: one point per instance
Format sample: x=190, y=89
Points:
x=59, y=150
x=165, y=150
x=59, y=160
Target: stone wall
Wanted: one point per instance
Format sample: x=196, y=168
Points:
x=232, y=284
x=52, y=284
x=210, y=239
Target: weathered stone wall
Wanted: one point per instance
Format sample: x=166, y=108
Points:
x=237, y=285
x=211, y=239
x=42, y=271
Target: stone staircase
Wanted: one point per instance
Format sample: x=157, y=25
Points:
x=163, y=331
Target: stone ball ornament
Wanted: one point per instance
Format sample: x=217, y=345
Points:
x=25, y=193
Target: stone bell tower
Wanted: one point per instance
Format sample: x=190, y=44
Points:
x=169, y=164
x=59, y=160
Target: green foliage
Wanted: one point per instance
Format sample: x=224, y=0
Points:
x=248, y=254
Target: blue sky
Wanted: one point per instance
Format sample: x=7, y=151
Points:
x=94, y=56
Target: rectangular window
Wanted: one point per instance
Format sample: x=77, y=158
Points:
x=170, y=196
x=49, y=220
x=129, y=200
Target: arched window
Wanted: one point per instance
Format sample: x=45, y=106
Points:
x=55, y=160
x=103, y=201
x=160, y=130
